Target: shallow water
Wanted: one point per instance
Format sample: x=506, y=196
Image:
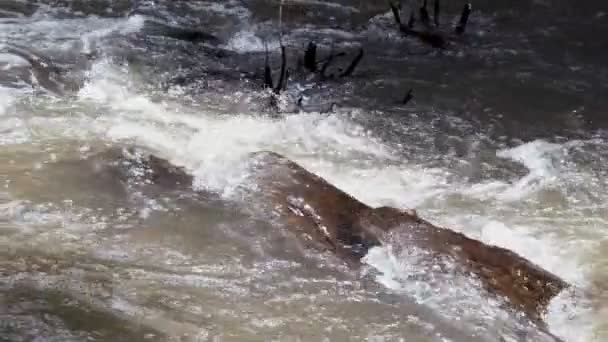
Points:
x=505, y=140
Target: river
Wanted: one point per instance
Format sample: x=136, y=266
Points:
x=505, y=140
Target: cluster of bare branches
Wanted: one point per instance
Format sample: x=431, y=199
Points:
x=309, y=64
x=428, y=32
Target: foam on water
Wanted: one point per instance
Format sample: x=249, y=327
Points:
x=539, y=158
x=569, y=317
x=247, y=41
x=87, y=30
x=414, y=273
x=132, y=24
x=226, y=7
x=213, y=147
x=7, y=98
x=13, y=129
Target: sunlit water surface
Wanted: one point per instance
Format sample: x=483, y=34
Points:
x=504, y=142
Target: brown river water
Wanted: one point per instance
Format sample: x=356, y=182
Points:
x=505, y=140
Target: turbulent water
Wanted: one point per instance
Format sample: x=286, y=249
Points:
x=504, y=140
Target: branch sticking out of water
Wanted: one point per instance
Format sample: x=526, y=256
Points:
x=282, y=78
x=281, y=17
x=310, y=57
x=424, y=14
x=328, y=61
x=408, y=97
x=286, y=79
x=436, y=12
x=353, y=64
x=396, y=14
x=464, y=18
x=268, y=83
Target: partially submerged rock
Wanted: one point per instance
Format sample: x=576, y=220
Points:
x=337, y=222
x=526, y=286
x=322, y=214
x=330, y=220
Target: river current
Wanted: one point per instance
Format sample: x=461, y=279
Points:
x=505, y=139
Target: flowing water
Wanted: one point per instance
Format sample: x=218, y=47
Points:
x=505, y=140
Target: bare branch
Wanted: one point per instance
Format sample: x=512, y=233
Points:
x=280, y=85
x=353, y=64
x=436, y=12
x=424, y=14
x=408, y=97
x=286, y=79
x=396, y=14
x=464, y=18
x=267, y=71
x=310, y=57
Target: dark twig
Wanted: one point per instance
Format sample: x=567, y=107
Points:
x=328, y=61
x=286, y=79
x=424, y=14
x=408, y=97
x=353, y=64
x=267, y=71
x=396, y=14
x=280, y=85
x=464, y=18
x=436, y=13
x=310, y=57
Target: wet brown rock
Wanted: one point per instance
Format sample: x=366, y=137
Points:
x=526, y=286
x=339, y=223
x=322, y=214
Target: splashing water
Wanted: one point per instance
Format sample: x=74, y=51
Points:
x=164, y=265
